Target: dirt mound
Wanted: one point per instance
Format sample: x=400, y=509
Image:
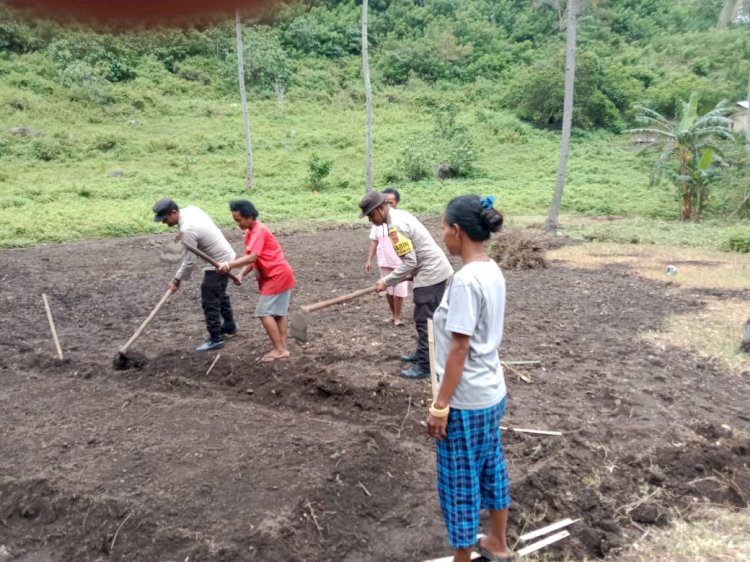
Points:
x=518, y=249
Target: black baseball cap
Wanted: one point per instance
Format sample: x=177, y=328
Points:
x=163, y=207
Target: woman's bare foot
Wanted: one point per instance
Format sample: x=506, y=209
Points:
x=500, y=551
x=274, y=355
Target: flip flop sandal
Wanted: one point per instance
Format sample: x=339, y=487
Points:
x=491, y=556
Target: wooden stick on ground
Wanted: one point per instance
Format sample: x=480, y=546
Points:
x=365, y=490
x=520, y=375
x=112, y=546
x=534, y=431
x=408, y=410
x=52, y=326
x=534, y=362
x=533, y=547
x=314, y=518
x=212, y=364
x=547, y=529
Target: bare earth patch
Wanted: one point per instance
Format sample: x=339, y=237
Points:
x=323, y=457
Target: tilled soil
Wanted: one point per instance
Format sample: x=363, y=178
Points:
x=324, y=456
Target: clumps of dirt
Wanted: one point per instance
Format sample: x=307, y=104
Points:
x=519, y=249
x=72, y=526
x=123, y=362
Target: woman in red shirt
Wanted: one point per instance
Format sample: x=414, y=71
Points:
x=275, y=276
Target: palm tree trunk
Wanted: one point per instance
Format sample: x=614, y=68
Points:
x=727, y=14
x=550, y=224
x=686, y=205
x=368, y=100
x=243, y=98
x=745, y=345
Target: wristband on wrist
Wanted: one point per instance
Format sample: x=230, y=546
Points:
x=439, y=412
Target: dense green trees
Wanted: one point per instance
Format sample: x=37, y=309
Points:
x=653, y=52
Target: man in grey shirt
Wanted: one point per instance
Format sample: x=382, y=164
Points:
x=422, y=260
x=199, y=231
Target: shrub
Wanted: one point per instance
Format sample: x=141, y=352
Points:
x=414, y=163
x=302, y=35
x=438, y=56
x=111, y=61
x=506, y=127
x=455, y=151
x=16, y=37
x=537, y=93
x=739, y=243
x=265, y=59
x=319, y=170
x=196, y=69
x=58, y=147
x=456, y=157
x=85, y=83
x=106, y=142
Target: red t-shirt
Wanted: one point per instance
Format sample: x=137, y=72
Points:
x=275, y=273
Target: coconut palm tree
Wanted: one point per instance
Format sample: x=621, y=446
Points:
x=243, y=99
x=551, y=222
x=693, y=144
x=730, y=11
x=368, y=99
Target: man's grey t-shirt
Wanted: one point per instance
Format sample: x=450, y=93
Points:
x=474, y=305
x=200, y=231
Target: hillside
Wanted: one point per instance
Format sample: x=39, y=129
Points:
x=99, y=122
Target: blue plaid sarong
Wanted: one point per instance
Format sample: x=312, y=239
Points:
x=471, y=471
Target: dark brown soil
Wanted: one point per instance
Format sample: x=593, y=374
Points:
x=323, y=457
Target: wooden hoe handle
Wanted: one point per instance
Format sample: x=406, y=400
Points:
x=139, y=331
x=210, y=260
x=338, y=300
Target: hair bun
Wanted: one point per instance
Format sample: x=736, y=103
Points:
x=492, y=218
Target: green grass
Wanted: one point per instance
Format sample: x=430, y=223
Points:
x=181, y=139
x=710, y=234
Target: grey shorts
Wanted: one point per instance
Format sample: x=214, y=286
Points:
x=273, y=305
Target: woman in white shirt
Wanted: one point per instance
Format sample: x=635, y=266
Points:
x=465, y=417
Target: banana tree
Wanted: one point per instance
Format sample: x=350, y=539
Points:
x=692, y=144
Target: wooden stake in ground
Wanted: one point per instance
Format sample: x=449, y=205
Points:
x=431, y=347
x=52, y=326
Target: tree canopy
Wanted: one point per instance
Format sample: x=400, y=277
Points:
x=649, y=52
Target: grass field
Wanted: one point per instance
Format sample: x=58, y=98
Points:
x=88, y=172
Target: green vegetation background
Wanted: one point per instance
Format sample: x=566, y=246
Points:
x=113, y=120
